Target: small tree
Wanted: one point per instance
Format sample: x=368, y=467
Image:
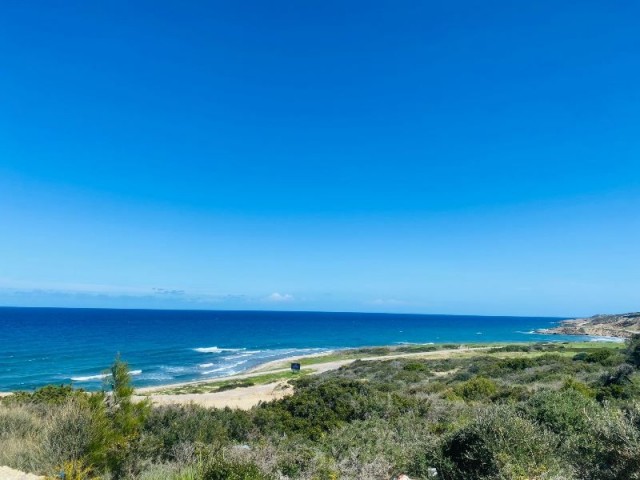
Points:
x=118, y=421
x=120, y=382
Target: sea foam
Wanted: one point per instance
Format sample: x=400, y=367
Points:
x=216, y=349
x=225, y=368
x=607, y=339
x=90, y=378
x=100, y=376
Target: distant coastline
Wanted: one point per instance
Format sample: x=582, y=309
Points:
x=624, y=325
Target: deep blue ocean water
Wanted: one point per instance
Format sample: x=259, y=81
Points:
x=39, y=346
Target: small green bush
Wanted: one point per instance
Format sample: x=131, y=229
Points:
x=564, y=412
x=580, y=387
x=620, y=383
x=511, y=348
x=581, y=356
x=517, y=363
x=478, y=388
x=415, y=367
x=220, y=468
x=608, y=449
x=49, y=394
x=499, y=443
x=633, y=351
x=604, y=356
x=233, y=385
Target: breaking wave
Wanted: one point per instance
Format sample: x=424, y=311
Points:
x=217, y=349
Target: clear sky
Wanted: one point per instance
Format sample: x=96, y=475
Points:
x=416, y=156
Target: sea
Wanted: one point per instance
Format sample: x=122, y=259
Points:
x=40, y=346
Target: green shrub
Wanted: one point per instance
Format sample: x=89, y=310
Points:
x=580, y=387
x=295, y=458
x=170, y=472
x=49, y=394
x=608, y=449
x=381, y=441
x=511, y=394
x=233, y=385
x=517, y=363
x=375, y=351
x=581, y=356
x=73, y=470
x=633, y=351
x=499, y=443
x=564, y=412
x=621, y=383
x=511, y=348
x=603, y=356
x=425, y=456
x=320, y=405
x=478, y=388
x=168, y=427
x=220, y=468
x=415, y=367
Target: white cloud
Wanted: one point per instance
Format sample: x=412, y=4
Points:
x=279, y=297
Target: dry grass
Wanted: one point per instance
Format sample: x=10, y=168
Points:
x=20, y=438
x=37, y=439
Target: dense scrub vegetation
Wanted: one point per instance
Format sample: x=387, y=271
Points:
x=553, y=411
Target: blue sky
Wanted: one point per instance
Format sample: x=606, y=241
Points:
x=437, y=157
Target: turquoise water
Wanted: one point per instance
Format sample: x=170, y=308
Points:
x=39, y=346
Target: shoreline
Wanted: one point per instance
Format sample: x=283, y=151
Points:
x=594, y=337
x=248, y=396
x=279, y=365
x=271, y=366
x=265, y=367
x=250, y=372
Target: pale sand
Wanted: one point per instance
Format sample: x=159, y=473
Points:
x=246, y=397
x=242, y=398
x=7, y=473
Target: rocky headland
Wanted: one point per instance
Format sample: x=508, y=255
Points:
x=622, y=325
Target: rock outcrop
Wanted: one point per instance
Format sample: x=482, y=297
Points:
x=622, y=325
